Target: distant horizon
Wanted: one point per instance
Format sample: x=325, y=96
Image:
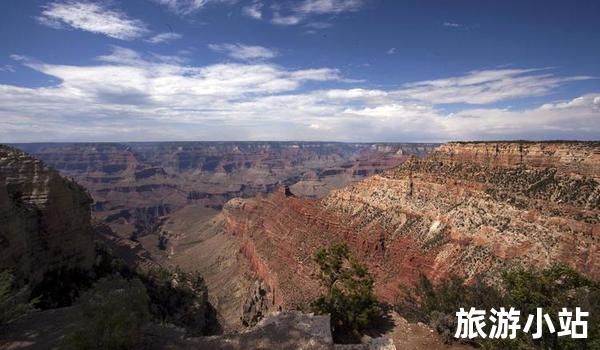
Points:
x=301, y=141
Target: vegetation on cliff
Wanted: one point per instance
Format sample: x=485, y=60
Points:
x=11, y=298
x=348, y=296
x=178, y=298
x=551, y=289
x=111, y=315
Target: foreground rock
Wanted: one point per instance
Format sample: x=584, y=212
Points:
x=288, y=330
x=280, y=330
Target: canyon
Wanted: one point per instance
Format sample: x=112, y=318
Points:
x=467, y=209
x=136, y=186
x=250, y=216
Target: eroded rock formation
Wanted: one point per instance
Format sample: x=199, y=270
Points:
x=467, y=209
x=134, y=184
x=45, y=220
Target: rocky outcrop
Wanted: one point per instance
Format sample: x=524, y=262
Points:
x=467, y=209
x=256, y=305
x=278, y=331
x=44, y=220
x=288, y=330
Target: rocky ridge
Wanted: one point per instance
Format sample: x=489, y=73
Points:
x=45, y=220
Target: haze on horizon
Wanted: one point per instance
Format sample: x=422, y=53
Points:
x=310, y=70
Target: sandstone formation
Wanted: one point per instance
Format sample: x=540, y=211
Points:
x=45, y=220
x=467, y=209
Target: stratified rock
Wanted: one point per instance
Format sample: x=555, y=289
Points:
x=468, y=209
x=44, y=220
x=134, y=185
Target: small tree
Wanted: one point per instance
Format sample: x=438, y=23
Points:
x=348, y=297
x=111, y=315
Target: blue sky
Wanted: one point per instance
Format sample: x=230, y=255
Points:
x=343, y=70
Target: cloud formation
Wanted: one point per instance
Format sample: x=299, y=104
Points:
x=486, y=86
x=92, y=17
x=186, y=7
x=163, y=38
x=244, y=52
x=129, y=95
x=7, y=68
x=253, y=10
x=296, y=12
x=321, y=7
x=452, y=25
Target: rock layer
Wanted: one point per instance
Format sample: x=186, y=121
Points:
x=133, y=184
x=44, y=219
x=467, y=209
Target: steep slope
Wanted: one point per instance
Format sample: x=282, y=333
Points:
x=44, y=219
x=468, y=209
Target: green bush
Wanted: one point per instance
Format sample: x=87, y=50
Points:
x=551, y=289
x=178, y=297
x=111, y=315
x=348, y=297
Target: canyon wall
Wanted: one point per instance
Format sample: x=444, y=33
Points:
x=45, y=219
x=135, y=184
x=467, y=209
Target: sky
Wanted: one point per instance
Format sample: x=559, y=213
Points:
x=299, y=70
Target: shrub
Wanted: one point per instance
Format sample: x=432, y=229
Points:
x=348, y=297
x=178, y=297
x=111, y=315
x=551, y=289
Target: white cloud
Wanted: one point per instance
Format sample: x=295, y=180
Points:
x=353, y=94
x=328, y=6
x=183, y=7
x=485, y=86
x=7, y=68
x=163, y=38
x=187, y=7
x=318, y=25
x=92, y=17
x=121, y=56
x=305, y=10
x=128, y=95
x=392, y=51
x=253, y=10
x=289, y=20
x=244, y=52
x=452, y=25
